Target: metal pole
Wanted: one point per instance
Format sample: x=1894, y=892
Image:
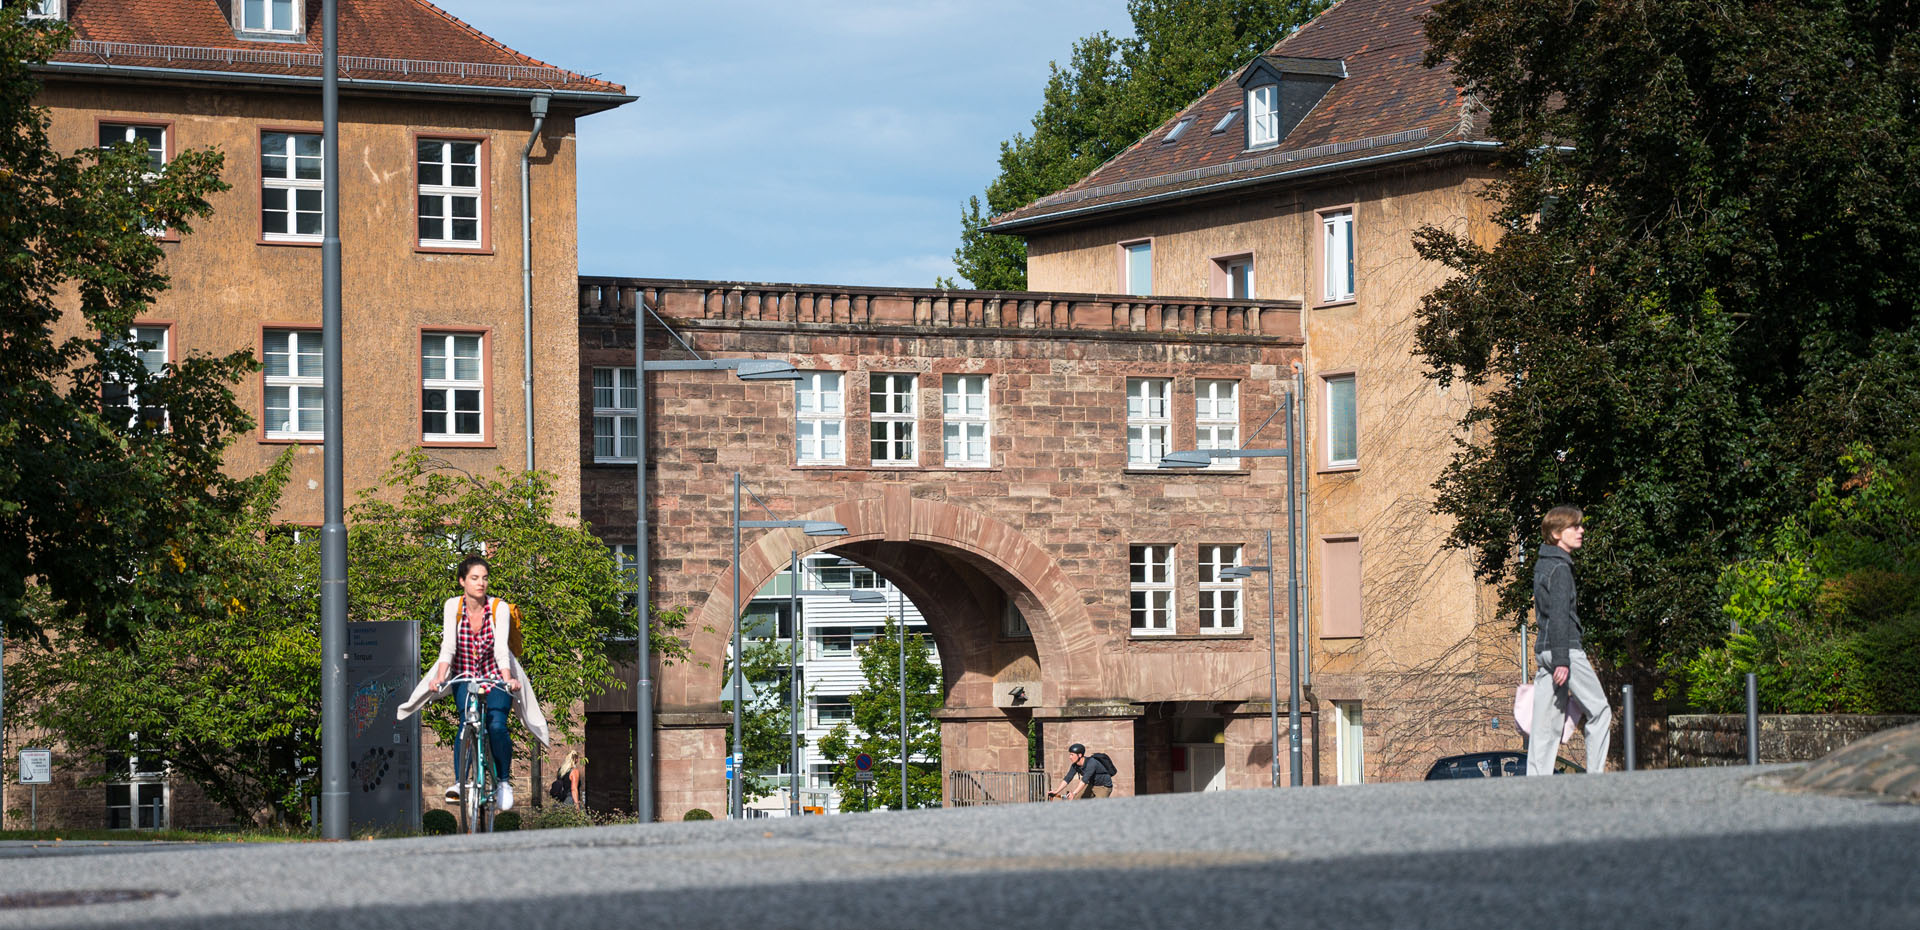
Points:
x=900, y=607
x=1626, y=723
x=1293, y=612
x=333, y=533
x=739, y=674
x=793, y=683
x=643, y=641
x=1753, y=721
x=1273, y=667
x=1297, y=466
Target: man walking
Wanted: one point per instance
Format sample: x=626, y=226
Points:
x=1095, y=777
x=1563, y=660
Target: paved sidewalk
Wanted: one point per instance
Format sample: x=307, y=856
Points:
x=1700, y=848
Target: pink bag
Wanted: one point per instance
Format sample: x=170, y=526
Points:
x=1523, y=712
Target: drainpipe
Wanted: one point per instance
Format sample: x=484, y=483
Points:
x=1300, y=507
x=539, y=110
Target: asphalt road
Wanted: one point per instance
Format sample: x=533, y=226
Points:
x=1698, y=848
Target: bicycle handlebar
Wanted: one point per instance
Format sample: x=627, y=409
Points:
x=471, y=680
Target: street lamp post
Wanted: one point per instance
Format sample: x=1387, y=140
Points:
x=1199, y=458
x=736, y=806
x=746, y=369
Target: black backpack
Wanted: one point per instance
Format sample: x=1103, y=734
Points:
x=558, y=790
x=1105, y=760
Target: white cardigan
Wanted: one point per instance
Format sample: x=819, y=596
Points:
x=528, y=705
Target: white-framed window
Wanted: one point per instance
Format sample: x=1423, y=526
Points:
x=893, y=419
x=291, y=186
x=1342, y=425
x=295, y=402
x=137, y=795
x=450, y=194
x=831, y=710
x=616, y=415
x=1263, y=115
x=1216, y=418
x=820, y=419
x=47, y=9
x=1150, y=588
x=626, y=557
x=452, y=388
x=964, y=422
x=1336, y=254
x=1239, y=274
x=1138, y=258
x=151, y=344
x=150, y=137
x=1219, y=597
x=1149, y=421
x=270, y=16
x=1350, y=742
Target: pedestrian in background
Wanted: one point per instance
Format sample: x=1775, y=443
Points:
x=1563, y=657
x=573, y=772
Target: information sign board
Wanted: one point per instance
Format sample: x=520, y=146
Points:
x=36, y=766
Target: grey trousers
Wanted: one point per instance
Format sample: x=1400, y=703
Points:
x=1550, y=714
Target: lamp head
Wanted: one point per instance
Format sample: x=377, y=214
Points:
x=1186, y=458
x=823, y=528
x=766, y=369
x=866, y=596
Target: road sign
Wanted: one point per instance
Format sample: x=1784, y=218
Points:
x=732, y=761
x=863, y=762
x=863, y=775
x=36, y=766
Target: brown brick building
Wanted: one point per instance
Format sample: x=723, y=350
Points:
x=434, y=120
x=1268, y=224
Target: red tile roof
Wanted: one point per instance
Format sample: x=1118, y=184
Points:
x=1388, y=103
x=409, y=41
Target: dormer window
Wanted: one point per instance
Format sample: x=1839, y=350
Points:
x=270, y=17
x=1263, y=115
x=1281, y=91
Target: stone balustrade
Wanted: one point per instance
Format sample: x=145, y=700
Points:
x=940, y=309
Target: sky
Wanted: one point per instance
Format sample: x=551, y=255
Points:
x=807, y=141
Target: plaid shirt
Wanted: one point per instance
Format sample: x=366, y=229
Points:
x=473, y=652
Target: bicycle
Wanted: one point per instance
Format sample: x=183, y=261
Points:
x=477, y=803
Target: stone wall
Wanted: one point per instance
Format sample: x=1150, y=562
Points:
x=1721, y=739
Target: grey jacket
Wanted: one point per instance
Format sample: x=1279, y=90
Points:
x=1554, y=613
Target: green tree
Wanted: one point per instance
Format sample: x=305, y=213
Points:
x=1111, y=92
x=102, y=461
x=1827, y=615
x=223, y=680
x=875, y=728
x=766, y=727
x=1708, y=215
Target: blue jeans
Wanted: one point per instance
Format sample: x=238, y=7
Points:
x=498, y=704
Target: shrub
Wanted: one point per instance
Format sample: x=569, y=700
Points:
x=557, y=817
x=1890, y=661
x=698, y=814
x=438, y=823
x=510, y=820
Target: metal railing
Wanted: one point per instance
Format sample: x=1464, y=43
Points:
x=967, y=789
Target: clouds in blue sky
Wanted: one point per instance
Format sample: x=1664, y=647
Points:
x=819, y=141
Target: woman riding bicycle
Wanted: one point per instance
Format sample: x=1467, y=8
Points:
x=474, y=654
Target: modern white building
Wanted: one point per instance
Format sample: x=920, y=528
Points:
x=831, y=628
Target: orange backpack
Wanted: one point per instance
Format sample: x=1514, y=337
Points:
x=513, y=626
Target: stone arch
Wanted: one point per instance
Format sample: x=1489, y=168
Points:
x=1063, y=634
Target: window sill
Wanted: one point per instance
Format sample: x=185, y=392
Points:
x=1187, y=472
x=452, y=249
x=1330, y=304
x=894, y=469
x=1337, y=469
x=292, y=440
x=303, y=243
x=1190, y=637
x=455, y=444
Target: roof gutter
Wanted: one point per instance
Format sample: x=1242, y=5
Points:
x=1050, y=219
x=586, y=102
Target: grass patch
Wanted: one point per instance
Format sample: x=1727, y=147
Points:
x=155, y=836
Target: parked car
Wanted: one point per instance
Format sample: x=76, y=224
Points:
x=1491, y=765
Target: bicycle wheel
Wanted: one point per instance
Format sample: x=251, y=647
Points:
x=472, y=788
x=483, y=785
